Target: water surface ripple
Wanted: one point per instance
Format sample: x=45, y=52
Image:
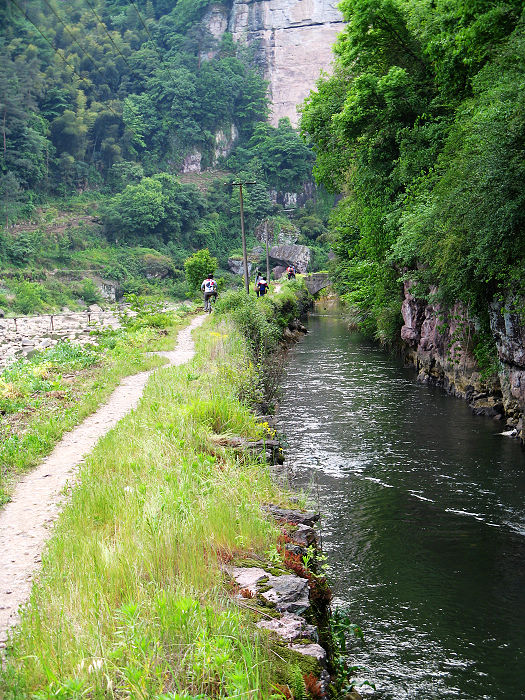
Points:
x=423, y=518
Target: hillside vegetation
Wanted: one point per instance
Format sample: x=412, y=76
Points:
x=422, y=128
x=102, y=102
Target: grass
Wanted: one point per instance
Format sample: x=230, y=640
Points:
x=43, y=397
x=131, y=601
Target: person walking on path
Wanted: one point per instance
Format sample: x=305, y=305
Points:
x=262, y=287
x=258, y=277
x=209, y=287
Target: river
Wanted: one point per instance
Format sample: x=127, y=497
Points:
x=423, y=518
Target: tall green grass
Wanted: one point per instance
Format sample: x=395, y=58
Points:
x=131, y=601
x=44, y=396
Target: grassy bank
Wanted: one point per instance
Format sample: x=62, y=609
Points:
x=43, y=397
x=131, y=601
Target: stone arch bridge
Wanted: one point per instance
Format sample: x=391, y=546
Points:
x=316, y=281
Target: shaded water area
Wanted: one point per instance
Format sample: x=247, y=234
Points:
x=423, y=518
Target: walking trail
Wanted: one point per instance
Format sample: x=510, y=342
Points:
x=25, y=521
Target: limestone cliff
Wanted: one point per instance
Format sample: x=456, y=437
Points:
x=437, y=343
x=293, y=42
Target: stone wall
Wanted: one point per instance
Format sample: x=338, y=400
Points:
x=21, y=336
x=437, y=342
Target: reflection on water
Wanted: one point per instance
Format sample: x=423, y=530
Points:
x=423, y=518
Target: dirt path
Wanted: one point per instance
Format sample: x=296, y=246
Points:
x=25, y=521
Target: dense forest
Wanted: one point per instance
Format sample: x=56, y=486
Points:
x=101, y=101
x=422, y=128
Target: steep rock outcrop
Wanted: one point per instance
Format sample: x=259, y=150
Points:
x=297, y=255
x=295, y=39
x=236, y=266
x=437, y=343
x=508, y=330
x=293, y=42
x=292, y=200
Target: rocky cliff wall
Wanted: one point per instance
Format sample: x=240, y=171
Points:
x=293, y=41
x=438, y=342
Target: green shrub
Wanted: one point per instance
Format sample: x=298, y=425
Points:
x=198, y=267
x=149, y=313
x=29, y=297
x=157, y=265
x=486, y=354
x=89, y=292
x=261, y=330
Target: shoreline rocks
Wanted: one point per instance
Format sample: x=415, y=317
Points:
x=294, y=613
x=438, y=343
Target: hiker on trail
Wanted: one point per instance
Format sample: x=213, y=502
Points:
x=291, y=272
x=262, y=286
x=209, y=287
x=258, y=277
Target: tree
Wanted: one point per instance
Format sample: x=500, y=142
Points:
x=136, y=212
x=421, y=129
x=284, y=157
x=198, y=267
x=158, y=207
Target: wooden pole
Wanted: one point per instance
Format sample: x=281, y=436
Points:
x=244, y=252
x=267, y=257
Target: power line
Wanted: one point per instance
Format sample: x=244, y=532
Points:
x=26, y=16
x=97, y=16
x=94, y=62
x=74, y=38
x=152, y=40
x=107, y=105
x=142, y=21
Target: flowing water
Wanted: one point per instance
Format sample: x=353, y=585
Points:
x=423, y=519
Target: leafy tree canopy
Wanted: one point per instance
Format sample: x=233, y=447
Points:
x=198, y=267
x=421, y=127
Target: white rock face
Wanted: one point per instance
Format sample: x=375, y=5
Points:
x=224, y=143
x=295, y=39
x=192, y=162
x=216, y=20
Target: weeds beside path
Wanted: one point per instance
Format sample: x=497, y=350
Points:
x=24, y=522
x=132, y=600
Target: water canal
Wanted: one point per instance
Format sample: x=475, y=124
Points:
x=423, y=518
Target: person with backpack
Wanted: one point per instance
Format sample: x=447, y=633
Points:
x=290, y=271
x=258, y=276
x=262, y=286
x=209, y=287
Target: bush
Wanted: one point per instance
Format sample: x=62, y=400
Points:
x=157, y=265
x=149, y=313
x=29, y=297
x=89, y=292
x=198, y=267
x=256, y=320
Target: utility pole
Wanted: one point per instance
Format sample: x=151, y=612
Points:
x=240, y=185
x=267, y=255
